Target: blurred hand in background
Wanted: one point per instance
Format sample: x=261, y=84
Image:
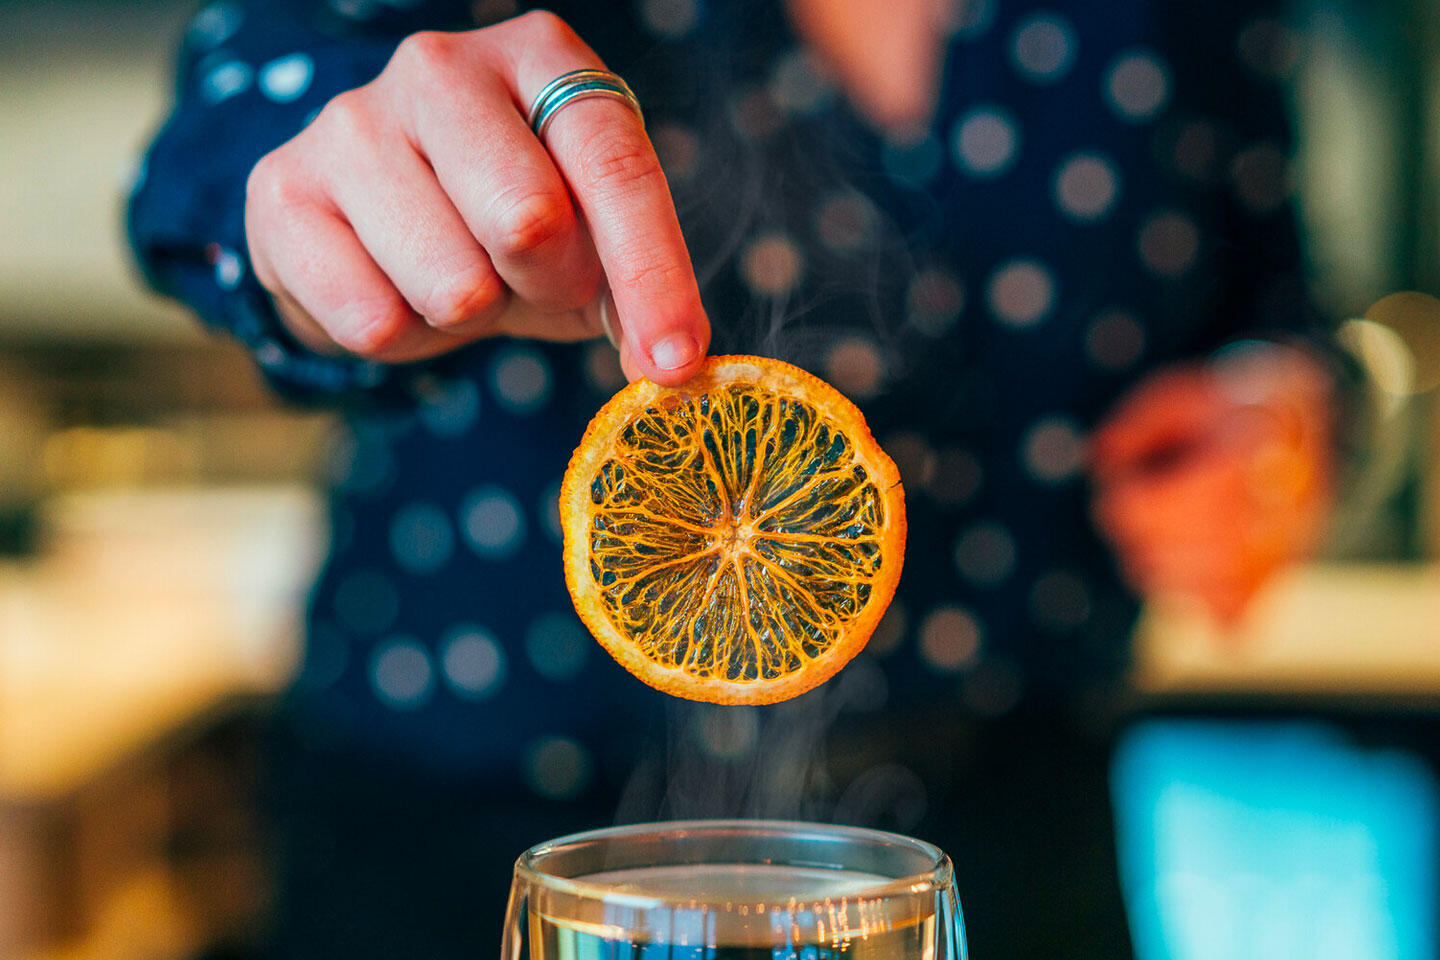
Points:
x=1210, y=478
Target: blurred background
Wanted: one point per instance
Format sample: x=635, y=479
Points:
x=159, y=525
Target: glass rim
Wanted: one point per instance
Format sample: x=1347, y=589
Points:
x=935, y=877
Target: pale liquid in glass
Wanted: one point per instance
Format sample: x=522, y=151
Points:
x=740, y=912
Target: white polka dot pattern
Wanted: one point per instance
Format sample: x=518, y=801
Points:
x=1107, y=182
x=933, y=302
x=287, y=78
x=401, y=674
x=755, y=115
x=985, y=142
x=520, y=378
x=270, y=354
x=1169, y=244
x=1114, y=340
x=228, y=269
x=602, y=368
x=1021, y=293
x=1053, y=449
x=449, y=408
x=985, y=554
x=771, y=265
x=1259, y=174
x=215, y=24
x=949, y=639
x=1086, y=186
x=799, y=83
x=421, y=539
x=971, y=18
x=226, y=80
x=354, y=9
x=492, y=522
x=1268, y=47
x=1138, y=86
x=670, y=19
x=1043, y=49
x=854, y=366
x=473, y=664
x=557, y=767
x=846, y=222
x=362, y=462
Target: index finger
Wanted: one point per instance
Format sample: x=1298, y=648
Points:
x=601, y=150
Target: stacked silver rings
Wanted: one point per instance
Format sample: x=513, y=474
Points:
x=578, y=85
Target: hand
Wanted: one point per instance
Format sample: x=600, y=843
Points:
x=418, y=213
x=1209, y=479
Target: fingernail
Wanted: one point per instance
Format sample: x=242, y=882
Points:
x=674, y=352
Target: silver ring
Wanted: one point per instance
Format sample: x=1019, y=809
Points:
x=578, y=85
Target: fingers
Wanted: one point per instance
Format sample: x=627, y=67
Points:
x=328, y=288
x=409, y=227
x=600, y=148
x=465, y=123
x=419, y=212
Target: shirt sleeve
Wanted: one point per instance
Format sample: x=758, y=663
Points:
x=250, y=76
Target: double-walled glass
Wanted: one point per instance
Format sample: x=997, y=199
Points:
x=734, y=890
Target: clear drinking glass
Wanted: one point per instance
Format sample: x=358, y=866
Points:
x=733, y=890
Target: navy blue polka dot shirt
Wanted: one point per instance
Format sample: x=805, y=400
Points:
x=1102, y=191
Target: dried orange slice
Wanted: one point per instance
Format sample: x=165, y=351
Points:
x=736, y=539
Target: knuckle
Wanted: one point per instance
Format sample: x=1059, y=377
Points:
x=429, y=53
x=529, y=223
x=349, y=118
x=617, y=160
x=275, y=196
x=271, y=183
x=469, y=296
x=368, y=328
x=547, y=27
